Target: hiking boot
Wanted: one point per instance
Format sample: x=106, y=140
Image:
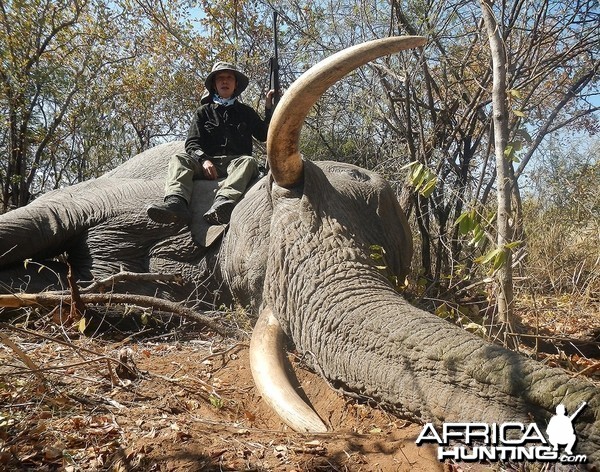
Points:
x=173, y=210
x=220, y=211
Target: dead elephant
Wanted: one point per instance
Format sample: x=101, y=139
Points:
x=298, y=253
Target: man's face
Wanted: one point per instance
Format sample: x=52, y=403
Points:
x=225, y=84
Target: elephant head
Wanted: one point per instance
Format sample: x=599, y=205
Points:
x=298, y=252
x=320, y=286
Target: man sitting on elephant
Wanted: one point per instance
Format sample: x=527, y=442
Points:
x=219, y=144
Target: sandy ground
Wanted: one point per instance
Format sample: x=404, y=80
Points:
x=191, y=405
x=190, y=408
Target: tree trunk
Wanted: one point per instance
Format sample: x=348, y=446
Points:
x=500, y=123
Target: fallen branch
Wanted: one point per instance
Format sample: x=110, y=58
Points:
x=99, y=355
x=109, y=282
x=550, y=337
x=49, y=299
x=222, y=353
x=589, y=369
x=26, y=360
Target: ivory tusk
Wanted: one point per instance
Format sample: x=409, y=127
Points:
x=267, y=364
x=284, y=131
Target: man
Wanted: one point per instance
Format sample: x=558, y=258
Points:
x=219, y=144
x=560, y=429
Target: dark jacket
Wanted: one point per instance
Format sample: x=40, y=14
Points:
x=218, y=130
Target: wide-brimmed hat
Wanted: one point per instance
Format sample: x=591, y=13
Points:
x=242, y=79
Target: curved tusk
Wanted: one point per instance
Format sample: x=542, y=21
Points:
x=284, y=131
x=268, y=370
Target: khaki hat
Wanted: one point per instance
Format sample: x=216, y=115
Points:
x=242, y=79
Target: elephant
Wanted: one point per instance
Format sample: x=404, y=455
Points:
x=297, y=252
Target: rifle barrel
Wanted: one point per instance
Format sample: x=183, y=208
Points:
x=275, y=62
x=572, y=417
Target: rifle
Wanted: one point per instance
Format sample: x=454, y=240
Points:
x=274, y=65
x=572, y=417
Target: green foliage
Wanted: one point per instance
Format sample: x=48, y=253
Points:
x=216, y=401
x=471, y=223
x=378, y=257
x=477, y=228
x=460, y=315
x=421, y=178
x=498, y=256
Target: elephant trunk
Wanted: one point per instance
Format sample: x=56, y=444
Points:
x=367, y=339
x=284, y=131
x=51, y=224
x=44, y=227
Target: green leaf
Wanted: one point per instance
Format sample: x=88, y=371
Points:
x=510, y=152
x=465, y=223
x=500, y=259
x=429, y=187
x=485, y=259
x=443, y=311
x=417, y=174
x=478, y=236
x=421, y=178
x=512, y=245
x=475, y=329
x=81, y=325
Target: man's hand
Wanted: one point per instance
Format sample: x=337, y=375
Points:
x=269, y=100
x=209, y=170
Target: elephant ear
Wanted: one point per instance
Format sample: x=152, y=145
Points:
x=268, y=365
x=339, y=189
x=397, y=234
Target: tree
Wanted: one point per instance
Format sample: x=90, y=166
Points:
x=34, y=105
x=86, y=85
x=505, y=180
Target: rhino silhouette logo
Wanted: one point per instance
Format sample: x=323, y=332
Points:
x=560, y=429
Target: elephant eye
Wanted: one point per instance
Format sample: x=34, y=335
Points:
x=354, y=174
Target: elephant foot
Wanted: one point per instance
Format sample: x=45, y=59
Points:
x=173, y=210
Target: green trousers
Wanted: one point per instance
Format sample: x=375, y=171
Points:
x=239, y=172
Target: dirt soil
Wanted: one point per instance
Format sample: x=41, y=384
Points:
x=184, y=400
x=186, y=407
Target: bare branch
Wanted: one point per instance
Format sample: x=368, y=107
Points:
x=49, y=299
